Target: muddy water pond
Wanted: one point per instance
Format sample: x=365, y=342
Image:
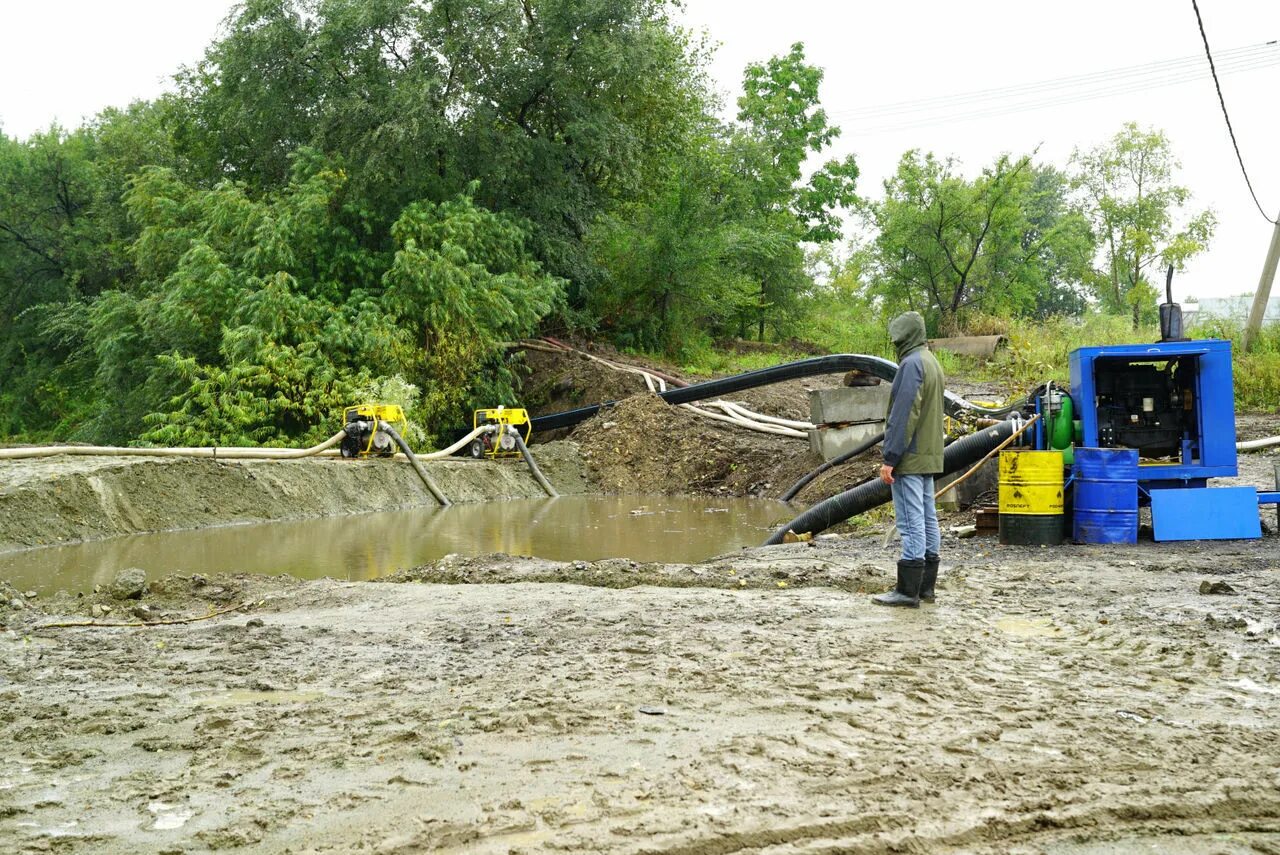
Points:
x=365, y=546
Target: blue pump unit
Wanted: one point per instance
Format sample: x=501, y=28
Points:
x=1173, y=401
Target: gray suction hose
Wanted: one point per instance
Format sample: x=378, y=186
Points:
x=831, y=464
x=422, y=473
x=963, y=452
x=533, y=466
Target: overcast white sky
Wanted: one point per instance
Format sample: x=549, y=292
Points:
x=63, y=60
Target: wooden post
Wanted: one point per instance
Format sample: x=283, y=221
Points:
x=1263, y=294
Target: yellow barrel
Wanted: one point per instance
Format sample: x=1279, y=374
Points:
x=1031, y=497
x=1031, y=482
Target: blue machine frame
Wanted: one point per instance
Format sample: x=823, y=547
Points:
x=1209, y=452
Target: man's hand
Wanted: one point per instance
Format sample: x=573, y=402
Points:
x=886, y=474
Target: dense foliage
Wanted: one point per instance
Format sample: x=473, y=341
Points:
x=346, y=198
x=1128, y=192
x=1006, y=241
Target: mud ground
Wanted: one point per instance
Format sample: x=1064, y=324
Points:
x=1078, y=700
x=1067, y=701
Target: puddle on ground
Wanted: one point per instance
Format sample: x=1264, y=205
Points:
x=169, y=817
x=677, y=529
x=1028, y=627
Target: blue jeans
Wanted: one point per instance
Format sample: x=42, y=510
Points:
x=916, y=516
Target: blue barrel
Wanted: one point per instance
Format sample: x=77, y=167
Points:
x=1106, y=495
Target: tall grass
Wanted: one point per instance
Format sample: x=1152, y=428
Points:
x=1256, y=373
x=1039, y=350
x=710, y=361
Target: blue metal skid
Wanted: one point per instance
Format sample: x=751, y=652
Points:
x=1205, y=513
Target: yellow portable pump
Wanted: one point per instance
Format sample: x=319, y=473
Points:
x=363, y=439
x=501, y=443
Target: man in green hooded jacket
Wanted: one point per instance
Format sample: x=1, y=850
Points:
x=912, y=451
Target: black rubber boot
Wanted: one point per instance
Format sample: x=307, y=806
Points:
x=930, y=578
x=907, y=593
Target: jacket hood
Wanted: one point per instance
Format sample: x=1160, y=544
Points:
x=907, y=333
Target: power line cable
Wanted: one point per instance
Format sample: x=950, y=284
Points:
x=1064, y=98
x=1056, y=99
x=1107, y=77
x=1223, y=102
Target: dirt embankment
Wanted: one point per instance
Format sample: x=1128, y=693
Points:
x=1094, y=703
x=566, y=381
x=62, y=499
x=643, y=445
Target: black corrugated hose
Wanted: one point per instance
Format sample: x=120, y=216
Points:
x=963, y=452
x=834, y=364
x=831, y=464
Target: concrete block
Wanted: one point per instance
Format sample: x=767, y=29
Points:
x=848, y=404
x=830, y=443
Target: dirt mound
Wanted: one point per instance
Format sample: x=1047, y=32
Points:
x=565, y=381
x=643, y=444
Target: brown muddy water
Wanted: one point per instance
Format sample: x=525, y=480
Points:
x=672, y=529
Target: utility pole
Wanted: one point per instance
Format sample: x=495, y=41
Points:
x=1263, y=294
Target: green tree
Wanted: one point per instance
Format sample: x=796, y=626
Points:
x=1001, y=242
x=558, y=108
x=1126, y=188
x=1058, y=246
x=782, y=124
x=464, y=283
x=64, y=239
x=256, y=320
x=673, y=273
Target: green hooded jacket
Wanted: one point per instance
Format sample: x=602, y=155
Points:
x=913, y=433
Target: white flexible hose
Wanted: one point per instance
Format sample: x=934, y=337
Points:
x=215, y=452
x=767, y=419
x=1258, y=444
x=734, y=414
x=459, y=445
x=739, y=422
x=747, y=419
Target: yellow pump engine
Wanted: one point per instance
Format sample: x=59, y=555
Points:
x=363, y=438
x=502, y=442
